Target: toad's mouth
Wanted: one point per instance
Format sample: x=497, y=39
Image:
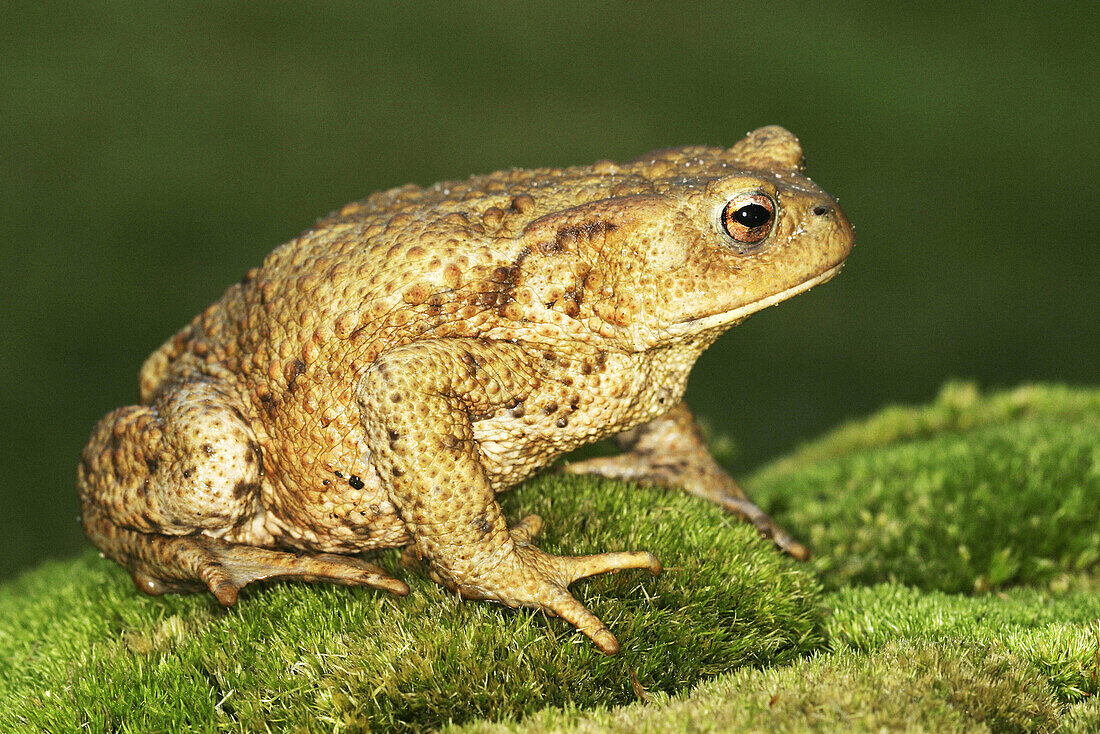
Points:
x=694, y=326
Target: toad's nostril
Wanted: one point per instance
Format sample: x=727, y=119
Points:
x=822, y=209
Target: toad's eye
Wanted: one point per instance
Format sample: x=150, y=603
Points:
x=748, y=218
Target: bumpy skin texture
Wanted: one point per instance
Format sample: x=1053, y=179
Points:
x=377, y=380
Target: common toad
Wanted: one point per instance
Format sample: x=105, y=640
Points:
x=378, y=379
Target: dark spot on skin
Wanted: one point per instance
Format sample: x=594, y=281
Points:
x=208, y=449
x=518, y=412
x=601, y=359
x=549, y=356
x=574, y=403
x=151, y=464
x=571, y=234
x=395, y=398
x=339, y=474
x=509, y=277
x=562, y=422
x=186, y=473
x=550, y=248
x=576, y=294
x=398, y=472
x=586, y=369
x=293, y=369
x=355, y=482
x=258, y=454
x=550, y=409
x=517, y=264
x=243, y=490
x=481, y=524
x=326, y=482
x=268, y=403
x=239, y=415
x=394, y=435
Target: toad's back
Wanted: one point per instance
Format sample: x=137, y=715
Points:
x=409, y=263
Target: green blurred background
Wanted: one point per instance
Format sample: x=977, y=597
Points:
x=149, y=154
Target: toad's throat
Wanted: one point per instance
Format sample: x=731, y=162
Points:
x=705, y=323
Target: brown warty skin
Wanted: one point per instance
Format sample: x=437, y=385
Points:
x=378, y=379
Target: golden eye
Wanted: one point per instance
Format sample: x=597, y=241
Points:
x=748, y=218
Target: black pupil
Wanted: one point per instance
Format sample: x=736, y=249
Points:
x=752, y=216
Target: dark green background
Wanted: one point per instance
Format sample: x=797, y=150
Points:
x=149, y=155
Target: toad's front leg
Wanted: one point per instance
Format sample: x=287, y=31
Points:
x=418, y=404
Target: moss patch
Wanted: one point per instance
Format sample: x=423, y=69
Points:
x=967, y=494
x=86, y=648
x=915, y=686
x=956, y=543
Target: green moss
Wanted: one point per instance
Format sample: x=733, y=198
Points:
x=910, y=513
x=960, y=407
x=322, y=657
x=964, y=495
x=1082, y=718
x=1056, y=633
x=915, y=686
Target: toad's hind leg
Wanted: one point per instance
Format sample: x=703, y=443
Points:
x=162, y=563
x=159, y=484
x=670, y=451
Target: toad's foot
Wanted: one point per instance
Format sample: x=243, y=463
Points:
x=529, y=577
x=163, y=563
x=669, y=451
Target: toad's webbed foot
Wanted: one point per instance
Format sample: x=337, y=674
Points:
x=669, y=451
x=529, y=577
x=163, y=563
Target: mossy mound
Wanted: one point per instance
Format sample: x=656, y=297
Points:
x=903, y=686
x=87, y=649
x=966, y=494
x=956, y=543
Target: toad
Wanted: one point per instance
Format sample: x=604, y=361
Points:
x=381, y=377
